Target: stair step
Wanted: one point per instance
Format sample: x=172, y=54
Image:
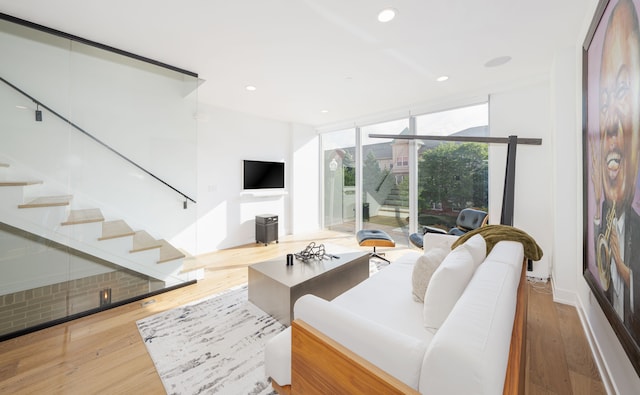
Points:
x=115, y=229
x=389, y=211
x=391, y=207
x=18, y=183
x=397, y=202
x=84, y=216
x=48, y=201
x=169, y=252
x=143, y=241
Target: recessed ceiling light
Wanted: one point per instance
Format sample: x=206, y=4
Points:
x=324, y=111
x=21, y=107
x=250, y=88
x=499, y=61
x=387, y=15
x=442, y=78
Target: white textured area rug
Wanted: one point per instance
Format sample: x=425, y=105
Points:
x=215, y=345
x=212, y=346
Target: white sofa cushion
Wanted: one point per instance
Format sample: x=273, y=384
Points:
x=446, y=285
x=395, y=352
x=423, y=269
x=478, y=249
x=386, y=298
x=438, y=240
x=469, y=354
x=407, y=259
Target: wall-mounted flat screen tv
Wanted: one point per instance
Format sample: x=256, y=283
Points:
x=263, y=175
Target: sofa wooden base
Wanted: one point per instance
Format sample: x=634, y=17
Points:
x=281, y=389
x=319, y=365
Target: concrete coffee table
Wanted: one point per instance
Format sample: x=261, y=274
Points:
x=274, y=287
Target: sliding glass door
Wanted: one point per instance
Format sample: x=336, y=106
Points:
x=338, y=156
x=385, y=180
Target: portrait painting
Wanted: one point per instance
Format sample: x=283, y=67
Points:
x=611, y=149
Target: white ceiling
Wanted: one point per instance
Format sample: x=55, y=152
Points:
x=305, y=56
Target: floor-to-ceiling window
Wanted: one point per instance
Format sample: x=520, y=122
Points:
x=385, y=179
x=452, y=175
x=338, y=156
x=406, y=184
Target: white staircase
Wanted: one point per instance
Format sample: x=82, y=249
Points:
x=57, y=218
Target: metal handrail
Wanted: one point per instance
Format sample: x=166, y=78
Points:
x=94, y=138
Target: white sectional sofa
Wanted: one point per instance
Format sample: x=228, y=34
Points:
x=377, y=338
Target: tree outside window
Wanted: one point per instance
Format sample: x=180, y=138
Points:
x=452, y=176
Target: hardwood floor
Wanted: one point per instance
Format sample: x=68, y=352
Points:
x=559, y=359
x=104, y=353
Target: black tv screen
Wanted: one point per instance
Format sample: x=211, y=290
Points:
x=263, y=175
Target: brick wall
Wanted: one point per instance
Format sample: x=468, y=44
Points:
x=28, y=308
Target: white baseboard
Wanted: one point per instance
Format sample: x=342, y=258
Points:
x=537, y=279
x=595, y=349
x=571, y=298
x=562, y=295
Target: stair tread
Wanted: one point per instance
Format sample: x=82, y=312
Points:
x=391, y=208
x=169, y=252
x=143, y=241
x=84, y=216
x=115, y=229
x=48, y=201
x=19, y=183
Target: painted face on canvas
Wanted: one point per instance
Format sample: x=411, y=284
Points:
x=619, y=104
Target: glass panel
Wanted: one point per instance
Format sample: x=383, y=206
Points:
x=452, y=176
x=110, y=142
x=339, y=180
x=385, y=180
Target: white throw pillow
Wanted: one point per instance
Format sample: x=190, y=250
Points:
x=438, y=240
x=478, y=249
x=446, y=285
x=423, y=269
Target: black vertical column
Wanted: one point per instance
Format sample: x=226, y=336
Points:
x=508, y=201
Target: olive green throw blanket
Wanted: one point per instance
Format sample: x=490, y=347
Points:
x=492, y=234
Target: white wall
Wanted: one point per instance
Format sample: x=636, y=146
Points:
x=226, y=217
x=305, y=191
x=567, y=181
x=524, y=112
